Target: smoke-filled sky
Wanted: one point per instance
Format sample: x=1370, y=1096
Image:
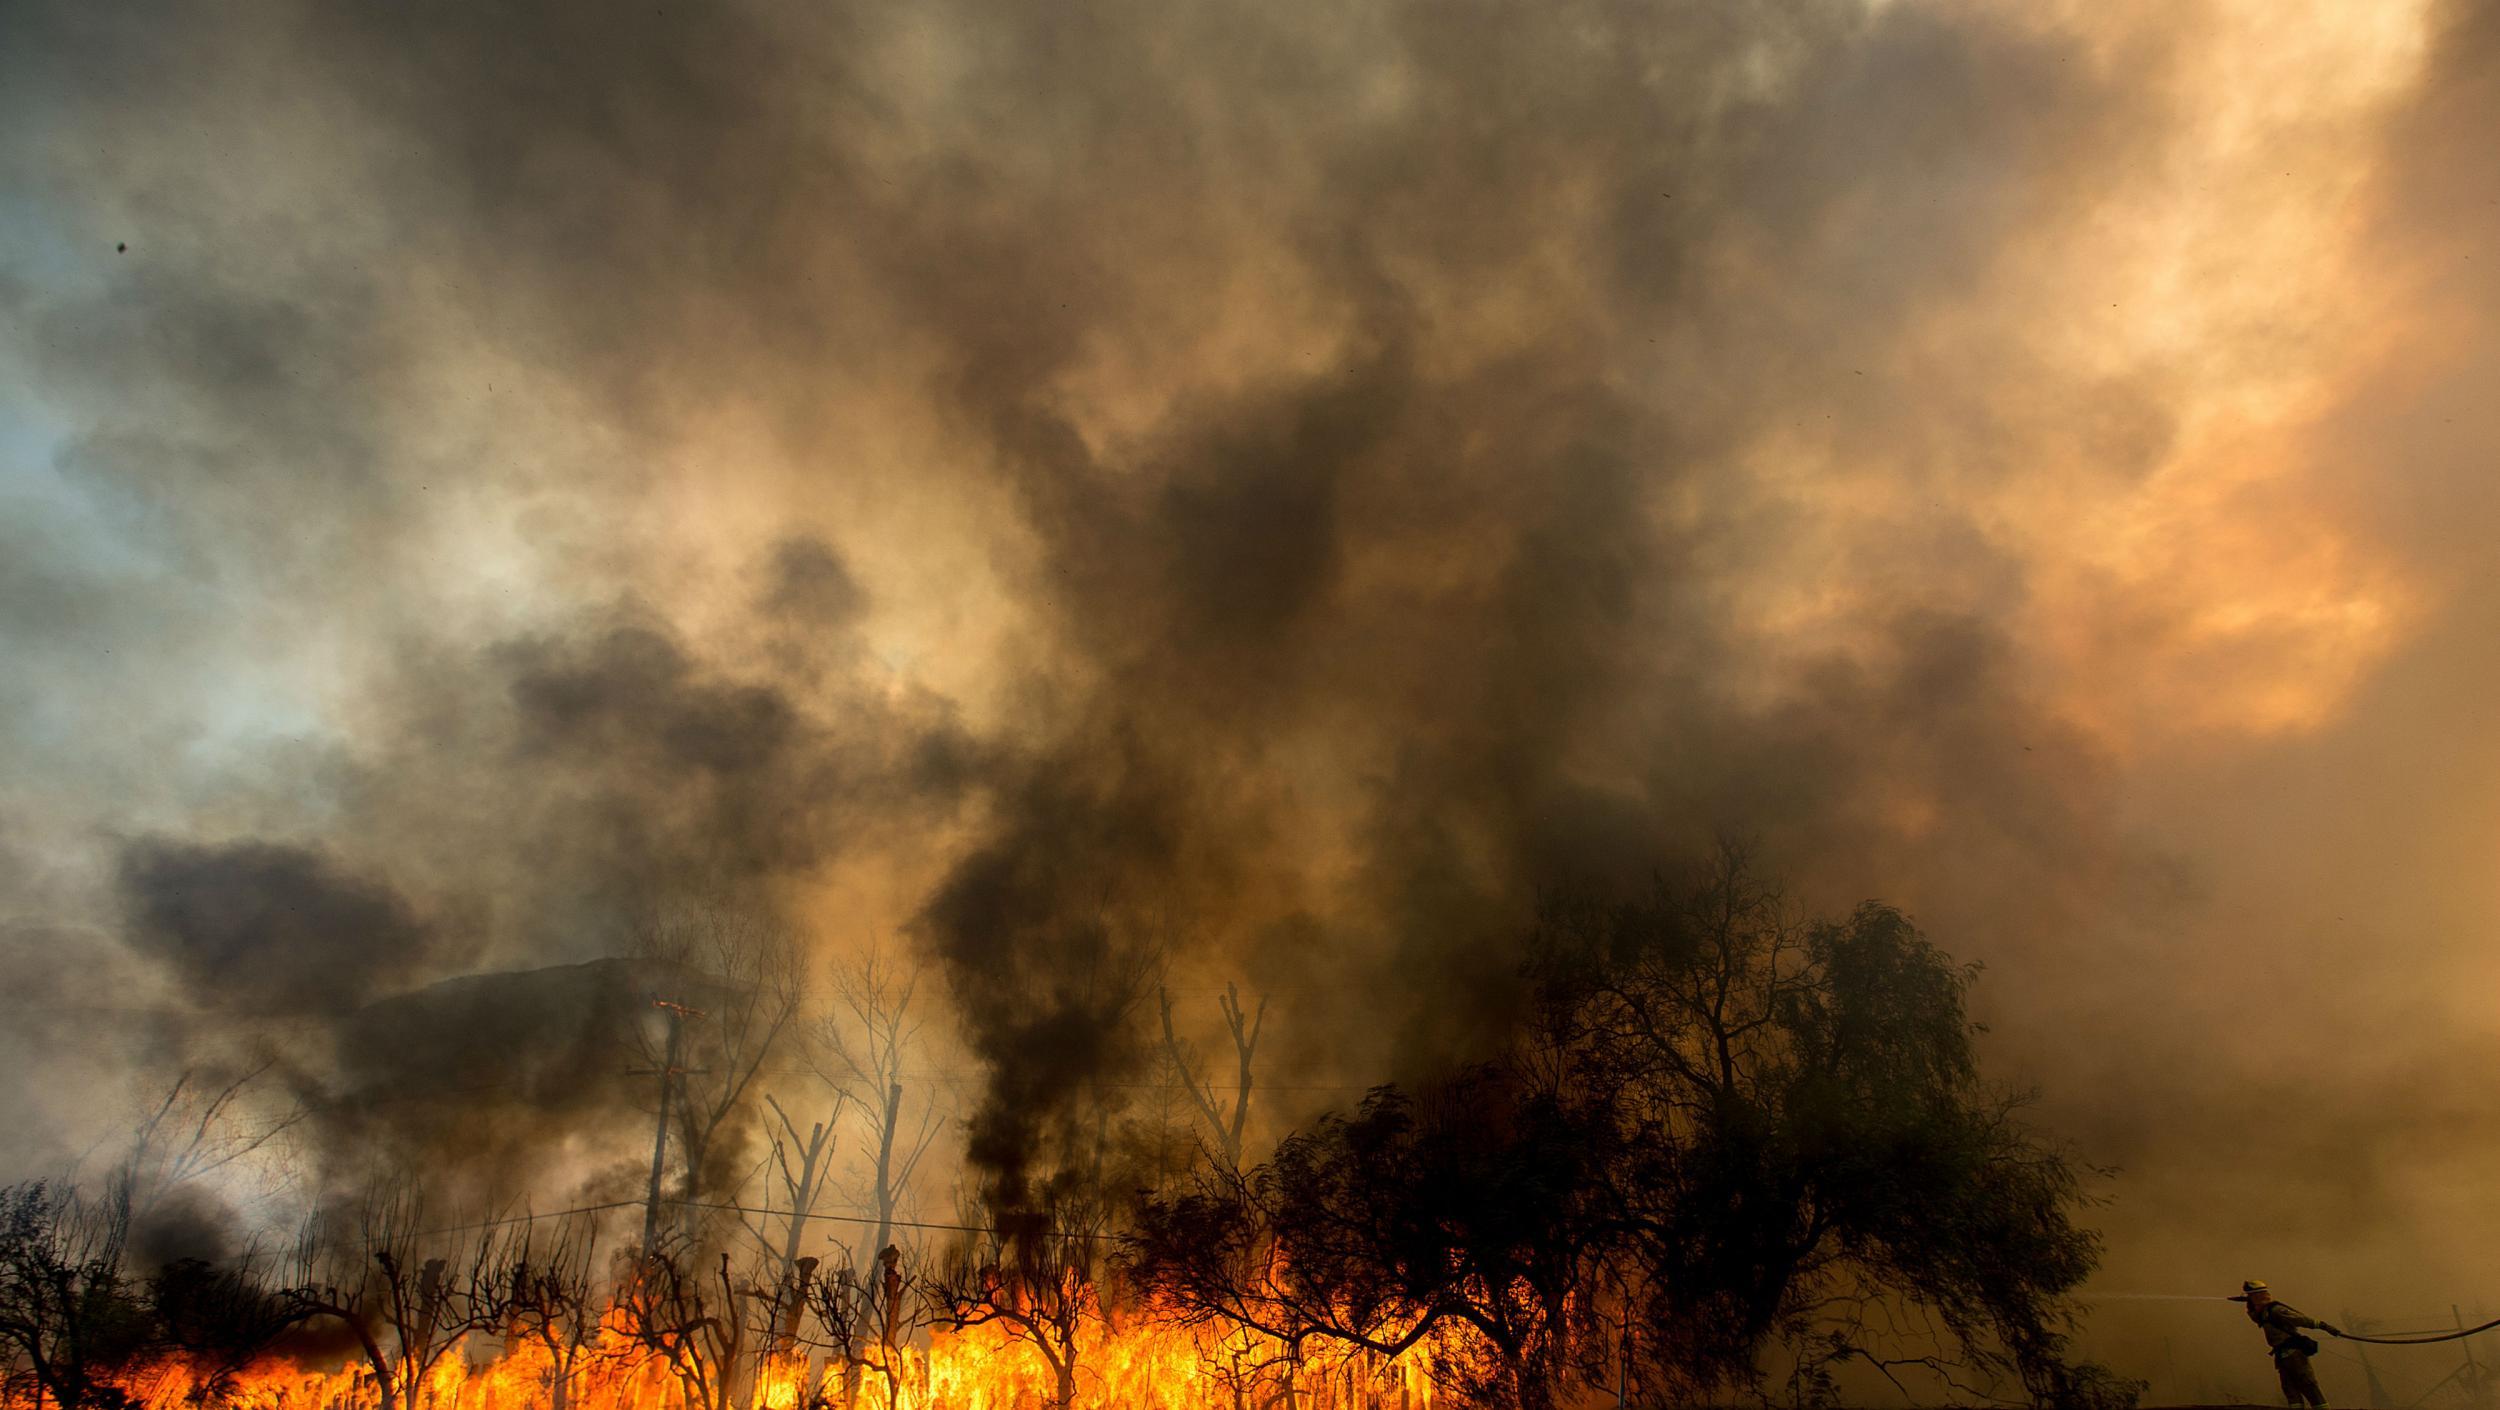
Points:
x=1275, y=486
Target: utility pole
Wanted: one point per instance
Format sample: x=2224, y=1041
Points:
x=659, y=1139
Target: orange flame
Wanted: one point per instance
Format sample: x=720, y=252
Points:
x=1141, y=1364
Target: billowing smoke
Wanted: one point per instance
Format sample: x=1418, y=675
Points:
x=1116, y=494
x=264, y=928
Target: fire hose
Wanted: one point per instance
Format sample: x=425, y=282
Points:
x=2425, y=1339
x=2406, y=1339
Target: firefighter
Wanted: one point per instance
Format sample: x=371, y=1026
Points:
x=2284, y=1326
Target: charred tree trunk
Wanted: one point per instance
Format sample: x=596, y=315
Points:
x=885, y=1164
x=382, y=1378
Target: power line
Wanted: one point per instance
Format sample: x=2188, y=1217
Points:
x=864, y=1219
x=860, y=1219
x=932, y=1076
x=479, y=1224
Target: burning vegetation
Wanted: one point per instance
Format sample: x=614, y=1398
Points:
x=1723, y=1152
x=1225, y=542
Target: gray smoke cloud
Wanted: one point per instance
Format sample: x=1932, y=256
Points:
x=268, y=928
x=1114, y=489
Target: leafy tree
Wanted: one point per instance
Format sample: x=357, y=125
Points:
x=69, y=1319
x=1472, y=1217
x=222, y=1317
x=1725, y=1134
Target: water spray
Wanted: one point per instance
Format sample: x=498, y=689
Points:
x=2160, y=1297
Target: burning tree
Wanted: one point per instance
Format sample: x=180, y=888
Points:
x=1722, y=1144
x=75, y=1316
x=687, y=1318
x=860, y=1323
x=408, y=1295
x=1471, y=1219
x=1040, y=1276
x=69, y=1317
x=541, y=1290
x=221, y=1318
x=1725, y=1130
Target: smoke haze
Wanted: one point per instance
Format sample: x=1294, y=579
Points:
x=1263, y=491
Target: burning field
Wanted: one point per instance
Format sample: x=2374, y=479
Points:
x=1153, y=1368
x=1189, y=704
x=1721, y=1138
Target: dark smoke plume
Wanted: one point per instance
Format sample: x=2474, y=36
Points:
x=267, y=928
x=1119, y=492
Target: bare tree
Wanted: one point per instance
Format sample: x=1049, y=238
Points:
x=539, y=1289
x=843, y=1327
x=801, y=1168
x=859, y=1324
x=688, y=1320
x=860, y=1049
x=199, y=1126
x=334, y=1281
x=1041, y=1277
x=407, y=1294
x=1223, y=1128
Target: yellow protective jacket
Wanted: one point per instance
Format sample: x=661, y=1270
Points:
x=2283, y=1325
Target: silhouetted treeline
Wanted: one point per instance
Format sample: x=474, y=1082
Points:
x=74, y=1316
x=1724, y=1152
